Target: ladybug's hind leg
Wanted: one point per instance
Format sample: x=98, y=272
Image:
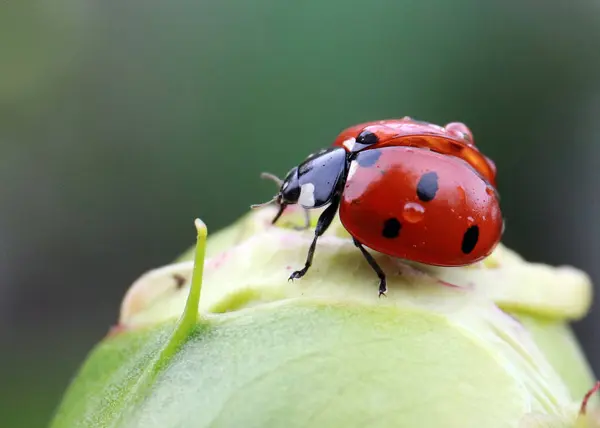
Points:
x=323, y=223
x=374, y=266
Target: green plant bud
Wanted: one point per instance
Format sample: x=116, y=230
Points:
x=230, y=342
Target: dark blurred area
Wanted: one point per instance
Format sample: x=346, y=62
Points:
x=121, y=121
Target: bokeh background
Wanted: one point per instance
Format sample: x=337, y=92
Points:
x=123, y=120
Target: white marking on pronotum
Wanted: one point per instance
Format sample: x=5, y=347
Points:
x=307, y=195
x=349, y=143
x=352, y=170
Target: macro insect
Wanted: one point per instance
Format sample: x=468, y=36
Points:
x=405, y=188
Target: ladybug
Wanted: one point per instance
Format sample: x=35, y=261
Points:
x=405, y=188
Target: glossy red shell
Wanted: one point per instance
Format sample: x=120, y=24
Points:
x=455, y=139
x=433, y=231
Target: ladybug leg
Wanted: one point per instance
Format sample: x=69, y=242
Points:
x=374, y=266
x=306, y=224
x=282, y=208
x=323, y=223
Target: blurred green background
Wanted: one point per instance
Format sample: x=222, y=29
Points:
x=123, y=120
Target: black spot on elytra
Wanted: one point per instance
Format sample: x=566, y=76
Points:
x=368, y=158
x=427, y=186
x=470, y=239
x=391, y=228
x=367, y=138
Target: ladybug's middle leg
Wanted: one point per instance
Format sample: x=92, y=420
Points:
x=374, y=266
x=323, y=223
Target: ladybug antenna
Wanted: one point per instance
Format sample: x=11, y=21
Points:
x=264, y=204
x=272, y=177
x=277, y=197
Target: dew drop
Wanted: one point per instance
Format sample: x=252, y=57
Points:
x=413, y=212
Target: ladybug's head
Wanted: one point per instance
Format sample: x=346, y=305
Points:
x=289, y=191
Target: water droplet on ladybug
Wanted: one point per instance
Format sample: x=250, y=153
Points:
x=413, y=212
x=471, y=220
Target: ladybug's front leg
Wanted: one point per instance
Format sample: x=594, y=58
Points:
x=282, y=208
x=306, y=224
x=374, y=266
x=323, y=223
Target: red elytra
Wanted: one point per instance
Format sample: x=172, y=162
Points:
x=437, y=210
x=405, y=188
x=455, y=139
